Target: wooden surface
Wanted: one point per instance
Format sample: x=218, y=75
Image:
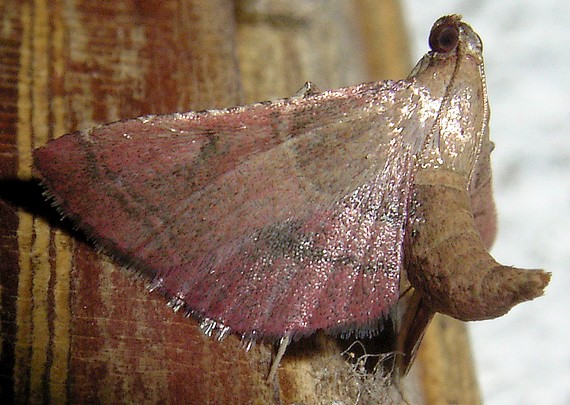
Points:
x=76, y=328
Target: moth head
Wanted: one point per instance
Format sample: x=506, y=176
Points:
x=450, y=39
x=450, y=35
x=444, y=35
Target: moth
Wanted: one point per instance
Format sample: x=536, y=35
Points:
x=278, y=219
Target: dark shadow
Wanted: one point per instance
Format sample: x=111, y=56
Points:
x=28, y=195
x=372, y=349
x=384, y=342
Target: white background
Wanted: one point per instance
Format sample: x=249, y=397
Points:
x=523, y=357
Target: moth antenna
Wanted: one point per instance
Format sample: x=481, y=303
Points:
x=283, y=343
x=447, y=261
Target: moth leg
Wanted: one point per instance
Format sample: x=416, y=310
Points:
x=307, y=89
x=417, y=317
x=283, y=343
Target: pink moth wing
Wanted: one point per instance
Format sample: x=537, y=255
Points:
x=272, y=219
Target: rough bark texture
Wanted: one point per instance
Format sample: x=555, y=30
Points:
x=74, y=327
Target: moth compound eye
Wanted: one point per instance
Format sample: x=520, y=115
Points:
x=444, y=37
